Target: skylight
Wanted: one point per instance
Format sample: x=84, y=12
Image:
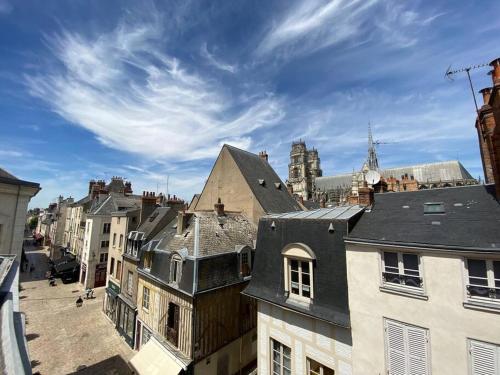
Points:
x=434, y=208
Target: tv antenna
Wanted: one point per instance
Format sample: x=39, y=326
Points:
x=450, y=73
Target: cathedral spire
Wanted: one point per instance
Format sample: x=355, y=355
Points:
x=372, y=154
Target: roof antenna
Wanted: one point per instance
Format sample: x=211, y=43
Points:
x=450, y=73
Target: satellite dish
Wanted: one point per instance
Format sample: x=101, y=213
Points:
x=372, y=177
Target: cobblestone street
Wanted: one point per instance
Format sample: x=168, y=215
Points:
x=62, y=338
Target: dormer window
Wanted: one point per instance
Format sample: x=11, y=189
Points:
x=148, y=260
x=175, y=269
x=245, y=261
x=298, y=263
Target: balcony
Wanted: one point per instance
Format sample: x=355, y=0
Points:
x=483, y=291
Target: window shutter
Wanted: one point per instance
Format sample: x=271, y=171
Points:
x=484, y=358
x=395, y=341
x=417, y=351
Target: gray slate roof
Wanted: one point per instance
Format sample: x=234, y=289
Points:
x=108, y=204
x=7, y=178
x=330, y=301
x=471, y=220
x=253, y=168
x=429, y=172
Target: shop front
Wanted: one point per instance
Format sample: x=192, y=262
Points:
x=126, y=320
x=111, y=301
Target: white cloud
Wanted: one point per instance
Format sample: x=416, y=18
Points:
x=135, y=98
x=215, y=62
x=5, y=7
x=316, y=24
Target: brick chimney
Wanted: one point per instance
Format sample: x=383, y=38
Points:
x=495, y=72
x=219, y=208
x=128, y=188
x=486, y=94
x=148, y=204
x=182, y=219
x=91, y=183
x=263, y=155
x=365, y=196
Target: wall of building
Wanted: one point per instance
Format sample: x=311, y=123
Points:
x=231, y=358
x=13, y=210
x=227, y=183
x=307, y=338
x=118, y=227
x=450, y=324
x=155, y=317
x=129, y=265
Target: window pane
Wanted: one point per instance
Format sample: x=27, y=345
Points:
x=294, y=264
x=477, y=268
x=390, y=260
x=306, y=279
x=305, y=267
x=286, y=363
x=286, y=351
x=276, y=356
x=276, y=345
x=295, y=276
x=410, y=263
x=496, y=271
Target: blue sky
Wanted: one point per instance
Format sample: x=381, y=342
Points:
x=146, y=90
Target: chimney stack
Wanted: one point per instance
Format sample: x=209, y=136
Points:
x=148, y=204
x=495, y=72
x=182, y=219
x=365, y=196
x=91, y=183
x=219, y=208
x=486, y=94
x=263, y=155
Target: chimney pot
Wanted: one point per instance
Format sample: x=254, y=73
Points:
x=486, y=94
x=263, y=155
x=219, y=208
x=495, y=72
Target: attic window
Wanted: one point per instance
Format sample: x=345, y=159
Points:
x=434, y=208
x=261, y=182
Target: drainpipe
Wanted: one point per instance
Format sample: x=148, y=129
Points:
x=15, y=219
x=196, y=253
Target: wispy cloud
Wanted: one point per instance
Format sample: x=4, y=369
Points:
x=5, y=7
x=215, y=62
x=316, y=24
x=137, y=99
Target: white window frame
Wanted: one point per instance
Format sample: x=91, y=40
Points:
x=401, y=270
x=281, y=355
x=405, y=327
x=146, y=301
x=301, y=253
x=176, y=264
x=487, y=351
x=321, y=371
x=490, y=277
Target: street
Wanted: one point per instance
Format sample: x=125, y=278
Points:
x=63, y=338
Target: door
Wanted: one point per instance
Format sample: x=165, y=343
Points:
x=100, y=278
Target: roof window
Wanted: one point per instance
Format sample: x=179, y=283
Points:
x=434, y=208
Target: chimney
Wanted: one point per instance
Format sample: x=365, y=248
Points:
x=219, y=208
x=148, y=204
x=322, y=203
x=91, y=183
x=495, y=72
x=486, y=94
x=263, y=155
x=182, y=219
x=365, y=196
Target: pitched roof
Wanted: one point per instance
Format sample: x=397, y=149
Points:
x=110, y=203
x=470, y=220
x=330, y=301
x=428, y=172
x=7, y=178
x=218, y=234
x=160, y=217
x=265, y=184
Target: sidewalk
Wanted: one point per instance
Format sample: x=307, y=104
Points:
x=62, y=338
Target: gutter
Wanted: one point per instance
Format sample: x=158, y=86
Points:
x=415, y=245
x=15, y=219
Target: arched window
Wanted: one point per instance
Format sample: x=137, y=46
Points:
x=298, y=260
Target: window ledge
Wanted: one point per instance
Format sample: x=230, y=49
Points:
x=482, y=305
x=418, y=294
x=298, y=303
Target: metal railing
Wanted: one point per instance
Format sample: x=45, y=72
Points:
x=483, y=291
x=401, y=279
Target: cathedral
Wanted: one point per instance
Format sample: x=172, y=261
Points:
x=303, y=169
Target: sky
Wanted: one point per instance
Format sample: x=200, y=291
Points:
x=150, y=91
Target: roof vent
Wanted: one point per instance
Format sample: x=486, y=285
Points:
x=434, y=208
x=330, y=228
x=278, y=185
x=273, y=225
x=458, y=204
x=261, y=182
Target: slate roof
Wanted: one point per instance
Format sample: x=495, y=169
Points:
x=217, y=234
x=7, y=178
x=429, y=172
x=330, y=301
x=160, y=217
x=113, y=202
x=273, y=199
x=471, y=220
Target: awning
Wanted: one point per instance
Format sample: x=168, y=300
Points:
x=154, y=359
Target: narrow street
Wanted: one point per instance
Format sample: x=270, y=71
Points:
x=62, y=338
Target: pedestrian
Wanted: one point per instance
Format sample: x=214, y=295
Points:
x=79, y=301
